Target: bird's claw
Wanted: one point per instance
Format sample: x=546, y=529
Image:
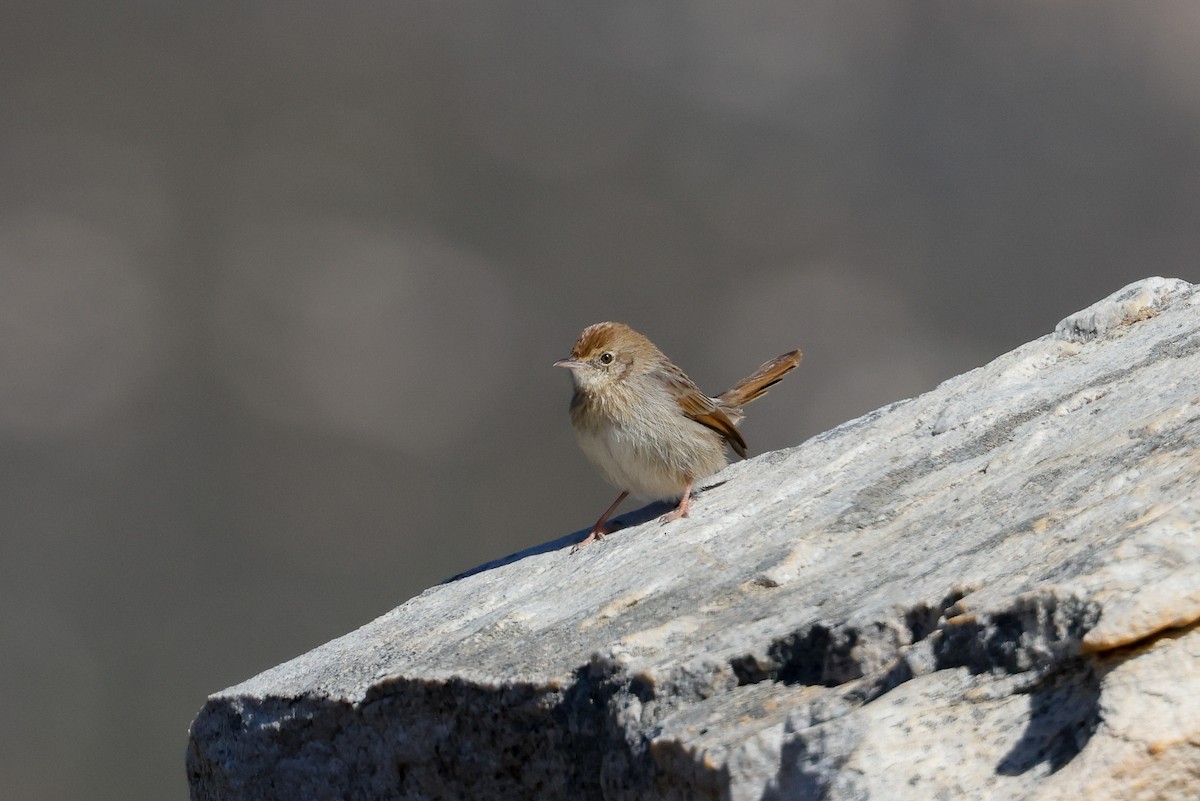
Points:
x=595, y=535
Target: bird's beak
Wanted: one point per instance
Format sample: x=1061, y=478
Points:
x=570, y=362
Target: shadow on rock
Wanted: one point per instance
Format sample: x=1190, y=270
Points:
x=1064, y=713
x=634, y=518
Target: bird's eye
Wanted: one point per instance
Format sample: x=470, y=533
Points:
x=606, y=358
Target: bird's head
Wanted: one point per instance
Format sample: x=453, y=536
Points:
x=606, y=354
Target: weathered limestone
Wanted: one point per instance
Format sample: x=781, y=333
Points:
x=986, y=592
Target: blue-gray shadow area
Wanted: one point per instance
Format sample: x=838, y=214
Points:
x=623, y=522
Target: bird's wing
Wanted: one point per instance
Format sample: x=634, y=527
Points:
x=704, y=410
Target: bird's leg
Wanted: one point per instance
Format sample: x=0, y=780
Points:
x=600, y=529
x=685, y=504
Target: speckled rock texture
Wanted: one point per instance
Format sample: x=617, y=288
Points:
x=986, y=592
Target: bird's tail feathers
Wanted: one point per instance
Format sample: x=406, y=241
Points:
x=754, y=386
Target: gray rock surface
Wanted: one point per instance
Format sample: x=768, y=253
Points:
x=986, y=592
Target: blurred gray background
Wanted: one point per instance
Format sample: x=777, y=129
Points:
x=281, y=284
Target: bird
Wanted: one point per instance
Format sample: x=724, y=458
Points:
x=645, y=425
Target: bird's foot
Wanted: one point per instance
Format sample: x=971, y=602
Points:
x=681, y=510
x=595, y=535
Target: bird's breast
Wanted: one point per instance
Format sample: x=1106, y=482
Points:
x=651, y=449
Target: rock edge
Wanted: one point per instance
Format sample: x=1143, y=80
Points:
x=989, y=591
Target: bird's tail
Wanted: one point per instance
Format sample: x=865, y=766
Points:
x=754, y=386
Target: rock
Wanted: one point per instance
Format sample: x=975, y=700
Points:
x=986, y=592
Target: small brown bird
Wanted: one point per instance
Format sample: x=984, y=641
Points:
x=645, y=425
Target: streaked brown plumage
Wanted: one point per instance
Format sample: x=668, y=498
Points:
x=645, y=425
